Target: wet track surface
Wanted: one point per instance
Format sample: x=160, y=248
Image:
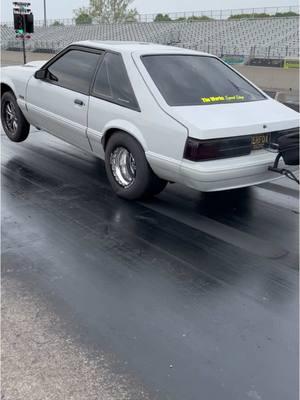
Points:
x=194, y=295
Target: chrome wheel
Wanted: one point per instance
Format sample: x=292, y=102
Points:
x=123, y=166
x=11, y=119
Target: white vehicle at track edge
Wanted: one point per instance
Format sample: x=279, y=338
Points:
x=155, y=114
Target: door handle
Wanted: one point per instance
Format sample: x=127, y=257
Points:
x=79, y=102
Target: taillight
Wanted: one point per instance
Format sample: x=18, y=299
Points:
x=213, y=149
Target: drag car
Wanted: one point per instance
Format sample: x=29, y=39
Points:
x=154, y=113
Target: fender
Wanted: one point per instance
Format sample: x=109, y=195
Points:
x=17, y=78
x=18, y=90
x=98, y=139
x=6, y=80
x=126, y=126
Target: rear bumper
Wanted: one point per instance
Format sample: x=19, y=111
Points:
x=209, y=176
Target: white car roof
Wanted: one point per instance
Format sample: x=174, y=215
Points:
x=130, y=47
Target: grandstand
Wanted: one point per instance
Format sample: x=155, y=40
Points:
x=273, y=37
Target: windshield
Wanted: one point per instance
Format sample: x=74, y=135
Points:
x=188, y=80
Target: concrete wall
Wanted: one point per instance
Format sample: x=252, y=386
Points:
x=275, y=79
x=16, y=57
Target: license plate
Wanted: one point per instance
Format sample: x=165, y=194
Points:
x=260, y=141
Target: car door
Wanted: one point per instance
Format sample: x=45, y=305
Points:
x=59, y=102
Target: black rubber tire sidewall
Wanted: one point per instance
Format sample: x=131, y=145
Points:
x=23, y=126
x=145, y=179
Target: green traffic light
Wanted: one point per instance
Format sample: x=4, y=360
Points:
x=21, y=31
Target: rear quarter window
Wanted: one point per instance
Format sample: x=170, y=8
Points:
x=112, y=82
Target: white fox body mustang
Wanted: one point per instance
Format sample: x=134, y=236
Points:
x=155, y=113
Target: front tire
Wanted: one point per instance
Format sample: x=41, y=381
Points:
x=13, y=121
x=127, y=168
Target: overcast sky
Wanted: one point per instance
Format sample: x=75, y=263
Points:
x=64, y=8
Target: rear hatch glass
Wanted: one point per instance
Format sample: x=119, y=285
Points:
x=189, y=80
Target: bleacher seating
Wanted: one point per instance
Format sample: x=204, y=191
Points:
x=273, y=37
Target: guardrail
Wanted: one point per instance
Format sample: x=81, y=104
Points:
x=187, y=15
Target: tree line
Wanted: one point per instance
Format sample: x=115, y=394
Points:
x=109, y=11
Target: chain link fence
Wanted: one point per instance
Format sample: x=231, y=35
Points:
x=186, y=15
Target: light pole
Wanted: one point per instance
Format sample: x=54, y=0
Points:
x=45, y=14
x=23, y=38
x=22, y=25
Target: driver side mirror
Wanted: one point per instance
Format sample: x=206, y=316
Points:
x=40, y=74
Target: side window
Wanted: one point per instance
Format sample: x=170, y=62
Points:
x=112, y=82
x=74, y=70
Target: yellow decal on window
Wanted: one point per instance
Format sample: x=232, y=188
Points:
x=214, y=99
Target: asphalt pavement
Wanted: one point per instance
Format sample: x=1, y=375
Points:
x=188, y=296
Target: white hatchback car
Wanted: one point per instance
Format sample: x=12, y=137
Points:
x=155, y=113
